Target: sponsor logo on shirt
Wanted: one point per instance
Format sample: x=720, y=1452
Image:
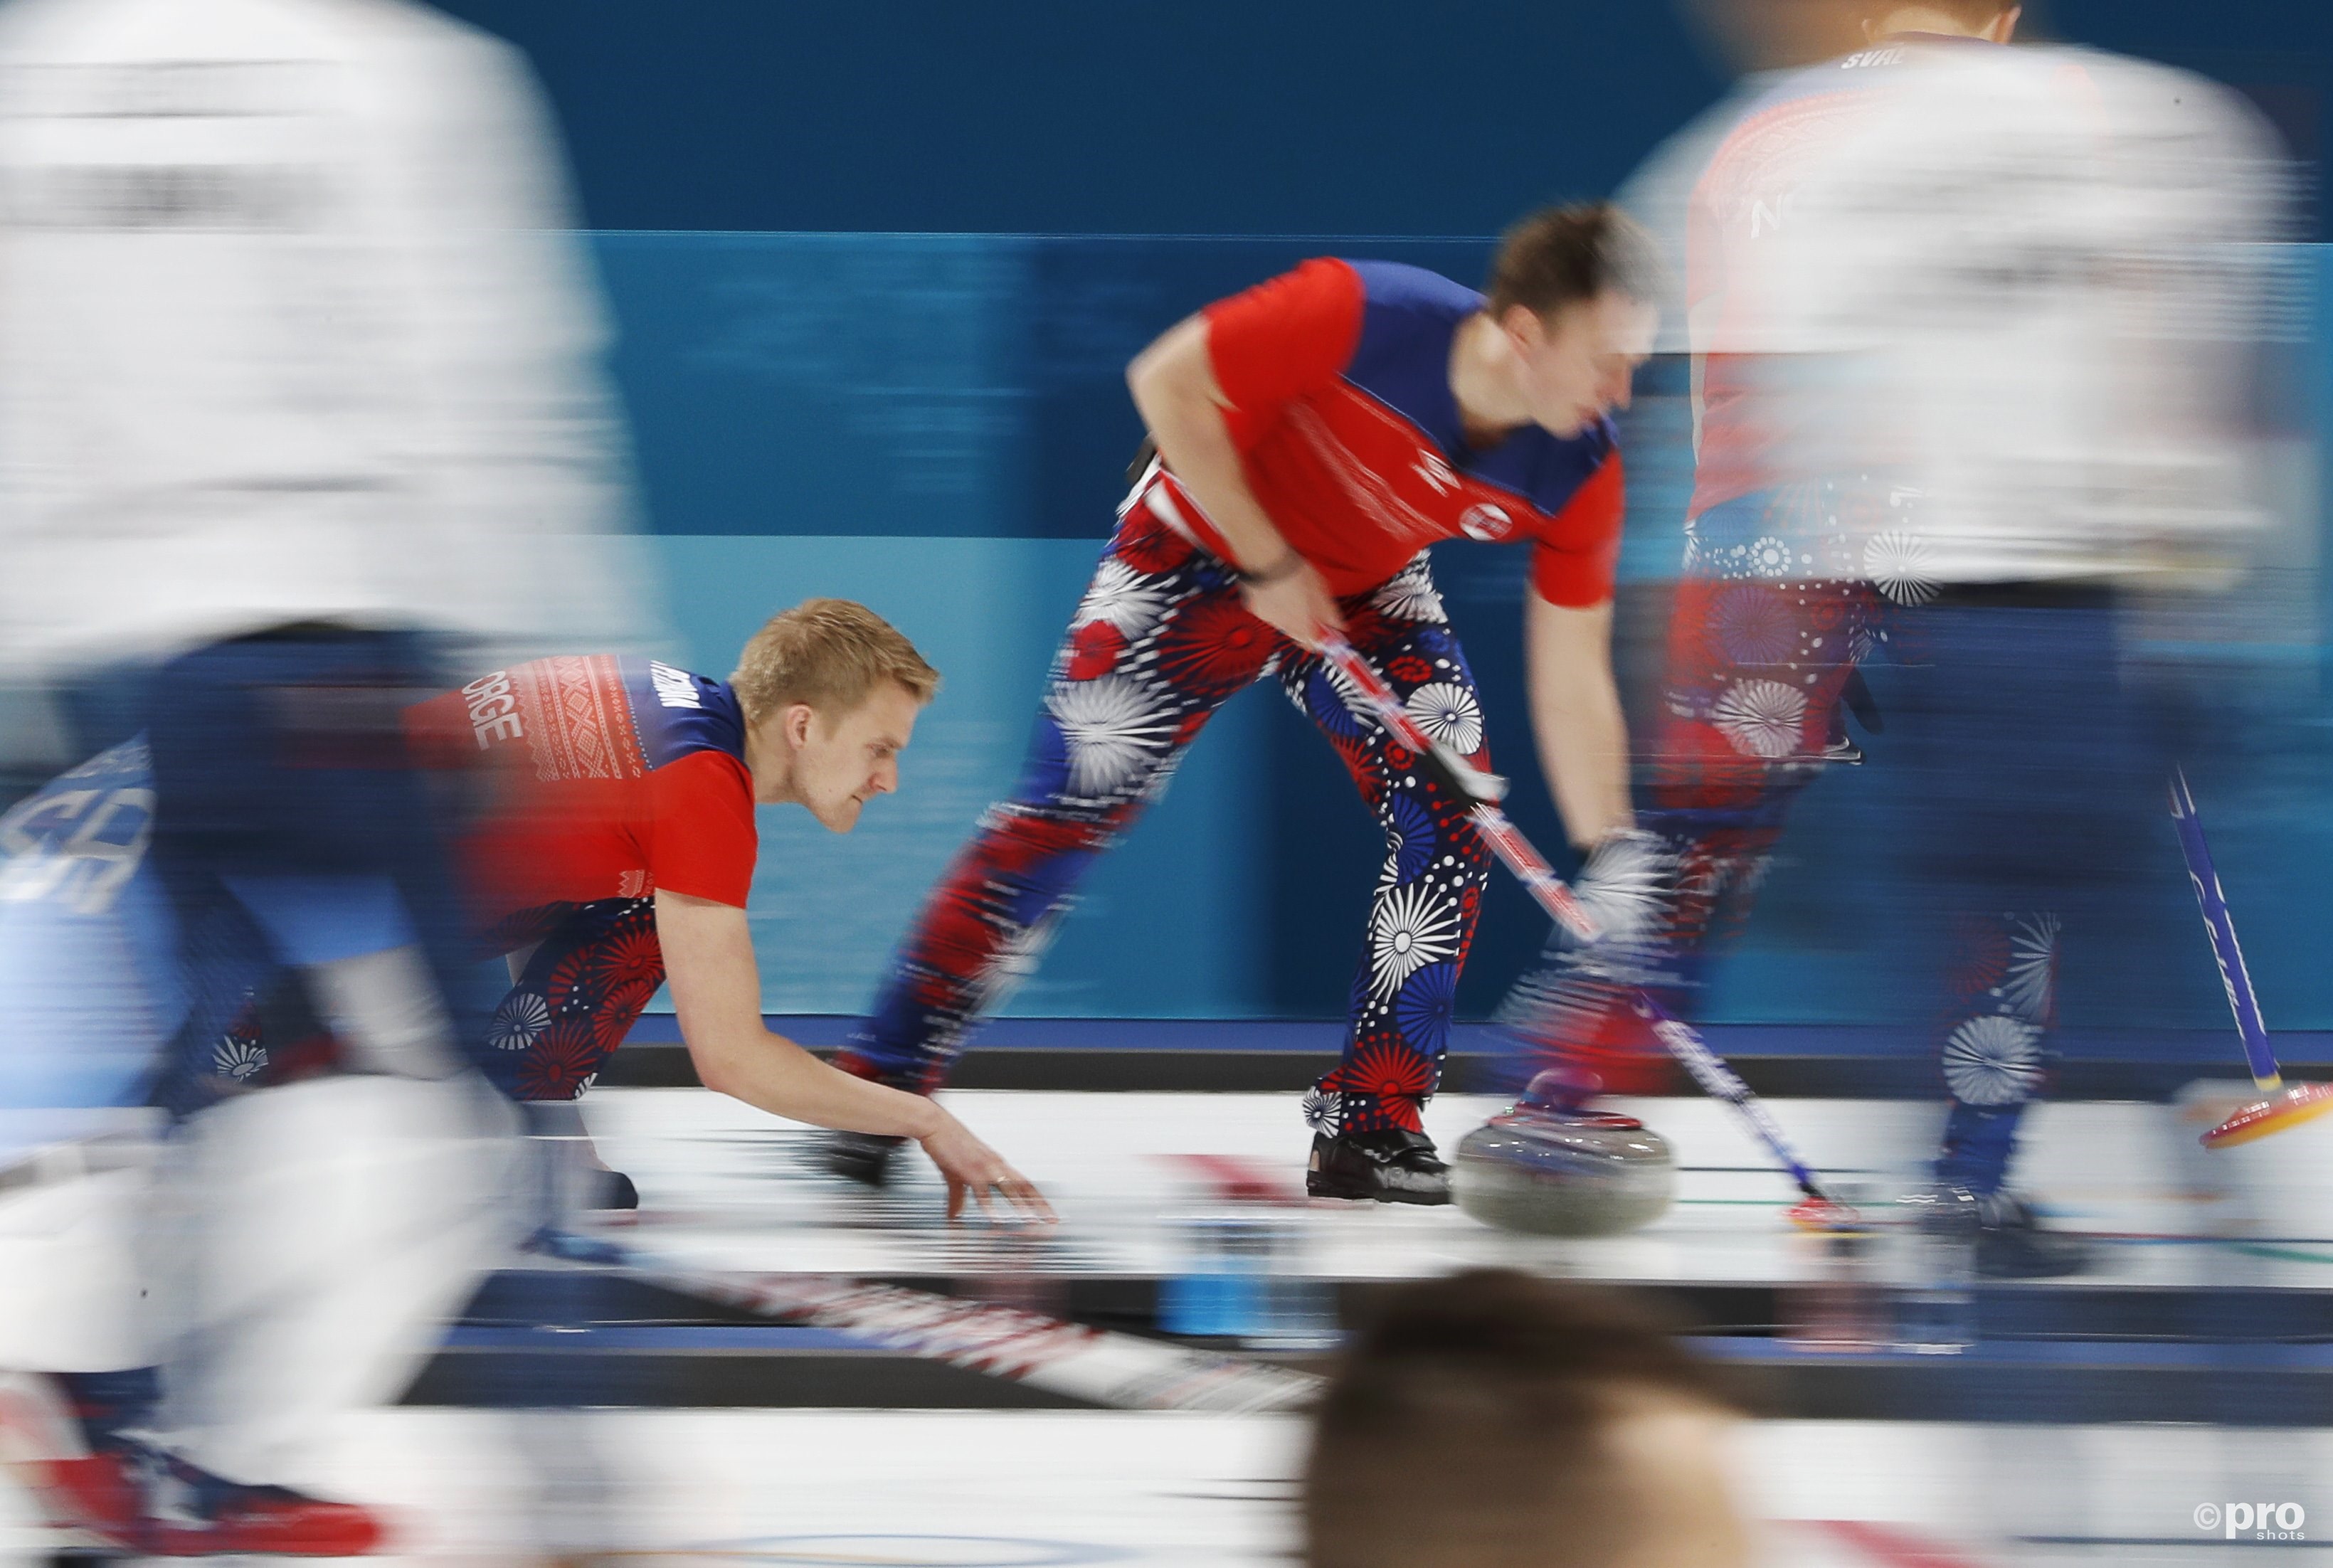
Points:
x=494, y=711
x=674, y=687
x=80, y=841
x=1763, y=217
x=1436, y=473
x=1490, y=524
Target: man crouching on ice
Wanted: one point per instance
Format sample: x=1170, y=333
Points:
x=612, y=848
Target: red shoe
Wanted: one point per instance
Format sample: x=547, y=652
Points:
x=101, y=1494
x=1623, y=1058
x=1632, y=1072
x=109, y=1494
x=226, y=1517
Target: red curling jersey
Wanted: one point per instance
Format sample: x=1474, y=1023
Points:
x=1337, y=377
x=609, y=778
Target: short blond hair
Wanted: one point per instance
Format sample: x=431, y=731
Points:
x=831, y=654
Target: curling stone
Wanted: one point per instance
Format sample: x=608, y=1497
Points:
x=1552, y=1168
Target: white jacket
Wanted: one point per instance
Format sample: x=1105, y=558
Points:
x=2029, y=286
x=2026, y=283
x=291, y=326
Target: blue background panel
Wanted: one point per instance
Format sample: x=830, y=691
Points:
x=938, y=425
x=1199, y=116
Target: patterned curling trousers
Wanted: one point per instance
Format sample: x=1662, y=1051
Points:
x=1784, y=592
x=588, y=971
x=1162, y=638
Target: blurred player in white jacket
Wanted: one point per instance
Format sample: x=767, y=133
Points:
x=299, y=391
x=1971, y=326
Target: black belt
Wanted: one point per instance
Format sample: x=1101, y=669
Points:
x=2033, y=593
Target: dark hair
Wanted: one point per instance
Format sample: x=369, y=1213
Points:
x=1561, y=256
x=1464, y=1427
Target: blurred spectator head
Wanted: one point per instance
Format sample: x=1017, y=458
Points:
x=1989, y=19
x=1777, y=34
x=1493, y=1419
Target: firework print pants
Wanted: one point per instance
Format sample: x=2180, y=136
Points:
x=2002, y=723
x=1773, y=612
x=578, y=992
x=1161, y=641
x=583, y=973
x=2036, y=826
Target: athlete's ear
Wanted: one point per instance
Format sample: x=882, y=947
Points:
x=1523, y=324
x=796, y=719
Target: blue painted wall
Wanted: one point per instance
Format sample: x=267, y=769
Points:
x=1101, y=115
x=1228, y=117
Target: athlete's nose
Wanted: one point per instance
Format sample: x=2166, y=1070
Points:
x=1619, y=389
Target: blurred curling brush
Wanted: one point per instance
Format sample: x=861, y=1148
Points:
x=2281, y=1105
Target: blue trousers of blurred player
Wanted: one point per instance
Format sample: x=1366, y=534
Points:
x=308, y=1240
x=291, y=835
x=2034, y=832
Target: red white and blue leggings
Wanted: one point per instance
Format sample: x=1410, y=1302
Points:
x=1784, y=592
x=1161, y=640
x=588, y=970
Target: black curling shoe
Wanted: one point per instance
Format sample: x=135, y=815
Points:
x=2011, y=1243
x=614, y=1190
x=1390, y=1165
x=864, y=1158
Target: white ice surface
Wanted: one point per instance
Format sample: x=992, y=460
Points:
x=1048, y=1489
x=725, y=1186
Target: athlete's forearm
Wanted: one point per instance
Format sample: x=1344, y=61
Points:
x=716, y=991
x=1583, y=745
x=1577, y=718
x=1174, y=385
x=777, y=1075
